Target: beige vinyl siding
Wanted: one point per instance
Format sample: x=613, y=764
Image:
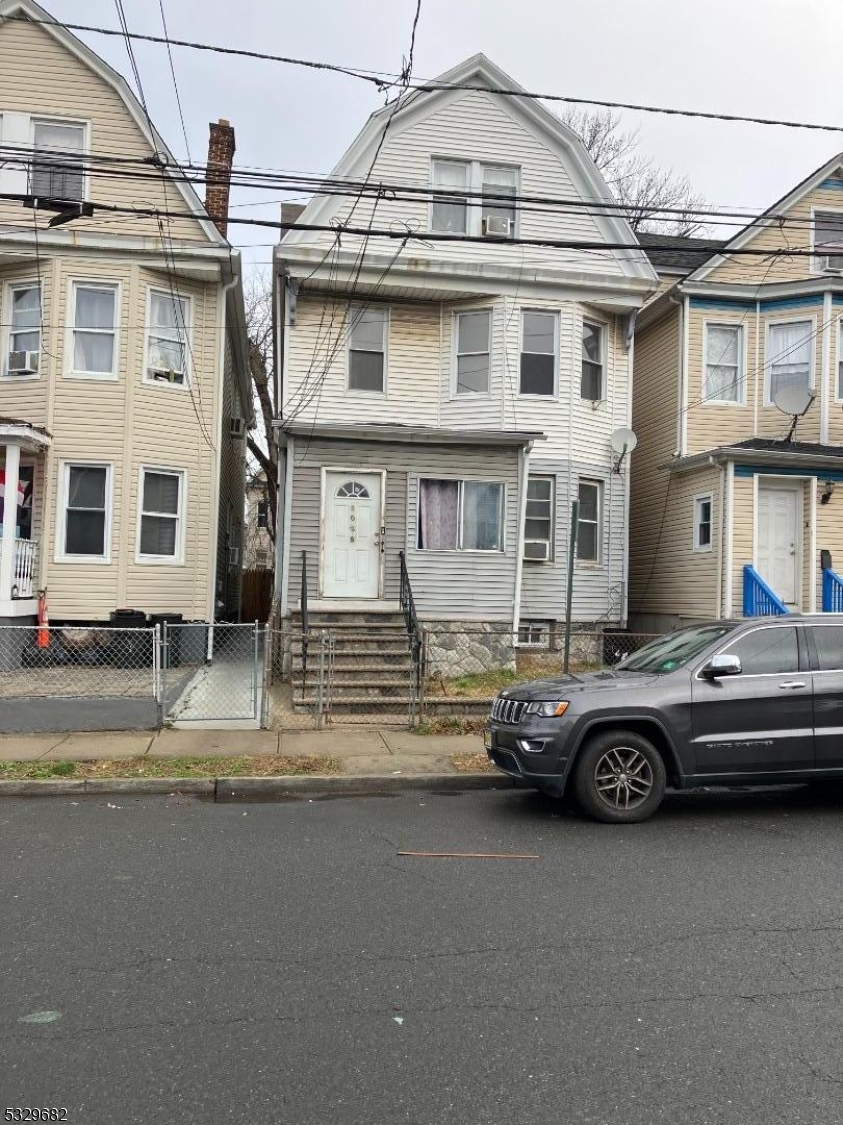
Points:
x=654, y=414
x=743, y=536
x=829, y=534
x=481, y=127
x=446, y=584
x=40, y=77
x=796, y=236
x=835, y=410
x=128, y=423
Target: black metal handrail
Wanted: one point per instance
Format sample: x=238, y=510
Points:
x=414, y=632
x=305, y=623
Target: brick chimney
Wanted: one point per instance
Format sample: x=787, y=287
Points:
x=220, y=160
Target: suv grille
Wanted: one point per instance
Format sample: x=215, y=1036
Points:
x=507, y=710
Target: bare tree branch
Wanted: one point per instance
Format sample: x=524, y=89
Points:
x=261, y=444
x=643, y=188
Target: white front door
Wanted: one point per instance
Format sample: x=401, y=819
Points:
x=352, y=549
x=779, y=541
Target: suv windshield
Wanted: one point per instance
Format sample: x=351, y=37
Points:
x=673, y=651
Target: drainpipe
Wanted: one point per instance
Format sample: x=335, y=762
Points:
x=627, y=476
x=718, y=612
x=680, y=302
x=519, y=557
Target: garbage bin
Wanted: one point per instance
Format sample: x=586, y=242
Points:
x=130, y=649
x=173, y=654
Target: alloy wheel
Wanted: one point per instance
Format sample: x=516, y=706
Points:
x=623, y=778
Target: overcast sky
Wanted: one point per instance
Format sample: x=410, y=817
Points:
x=766, y=58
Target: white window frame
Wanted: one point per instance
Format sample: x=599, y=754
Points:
x=598, y=484
x=604, y=377
x=742, y=365
x=541, y=312
x=838, y=382
x=61, y=556
x=700, y=499
x=808, y=318
x=188, y=350
x=816, y=267
x=162, y=560
x=459, y=549
x=73, y=123
x=70, y=371
x=6, y=315
x=552, y=517
x=455, y=353
x=474, y=186
x=387, y=323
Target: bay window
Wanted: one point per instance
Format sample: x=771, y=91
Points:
x=539, y=349
x=592, y=384
x=588, y=535
x=167, y=338
x=24, y=329
x=460, y=515
x=788, y=356
x=94, y=331
x=724, y=376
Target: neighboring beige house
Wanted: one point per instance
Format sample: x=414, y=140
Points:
x=734, y=512
x=124, y=386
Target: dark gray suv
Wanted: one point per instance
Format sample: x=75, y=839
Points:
x=726, y=702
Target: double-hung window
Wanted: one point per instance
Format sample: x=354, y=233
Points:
x=592, y=386
x=789, y=356
x=24, y=330
x=539, y=350
x=588, y=534
x=724, y=377
x=828, y=241
x=86, y=514
x=94, y=350
x=161, y=515
x=460, y=515
x=483, y=200
x=473, y=347
x=538, y=524
x=58, y=170
x=702, y=522
x=167, y=338
x=367, y=349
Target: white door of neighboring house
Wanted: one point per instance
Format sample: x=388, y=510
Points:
x=780, y=541
x=352, y=546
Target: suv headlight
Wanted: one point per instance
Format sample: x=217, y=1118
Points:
x=547, y=710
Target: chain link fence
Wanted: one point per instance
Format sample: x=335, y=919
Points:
x=351, y=675
x=212, y=672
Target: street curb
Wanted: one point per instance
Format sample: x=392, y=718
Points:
x=257, y=788
x=293, y=788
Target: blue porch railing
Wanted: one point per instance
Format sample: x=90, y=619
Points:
x=832, y=592
x=758, y=599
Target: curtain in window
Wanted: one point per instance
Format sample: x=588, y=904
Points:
x=481, y=516
x=790, y=356
x=93, y=350
x=723, y=350
x=438, y=514
x=449, y=216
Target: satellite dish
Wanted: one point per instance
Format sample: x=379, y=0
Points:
x=794, y=400
x=623, y=441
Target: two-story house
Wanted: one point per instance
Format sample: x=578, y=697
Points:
x=738, y=409
x=124, y=383
x=444, y=401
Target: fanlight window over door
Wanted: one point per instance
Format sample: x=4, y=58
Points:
x=352, y=488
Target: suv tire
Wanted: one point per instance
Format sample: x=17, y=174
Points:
x=619, y=777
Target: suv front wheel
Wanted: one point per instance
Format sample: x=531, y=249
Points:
x=619, y=777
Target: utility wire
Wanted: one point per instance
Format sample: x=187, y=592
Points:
x=175, y=80
x=386, y=80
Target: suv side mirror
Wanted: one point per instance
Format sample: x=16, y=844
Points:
x=724, y=664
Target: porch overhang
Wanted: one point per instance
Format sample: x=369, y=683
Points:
x=808, y=458
x=413, y=435
x=14, y=431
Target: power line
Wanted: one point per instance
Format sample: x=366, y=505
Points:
x=385, y=80
x=175, y=80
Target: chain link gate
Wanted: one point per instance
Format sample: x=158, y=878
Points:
x=212, y=673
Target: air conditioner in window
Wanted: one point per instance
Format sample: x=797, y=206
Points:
x=497, y=226
x=23, y=363
x=536, y=550
x=832, y=263
x=237, y=427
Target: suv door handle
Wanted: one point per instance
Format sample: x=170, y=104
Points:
x=792, y=685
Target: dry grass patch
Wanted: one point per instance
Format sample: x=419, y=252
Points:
x=449, y=724
x=273, y=765
x=471, y=763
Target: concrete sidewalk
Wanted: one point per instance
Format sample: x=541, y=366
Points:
x=361, y=753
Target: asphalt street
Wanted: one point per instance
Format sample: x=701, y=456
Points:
x=168, y=960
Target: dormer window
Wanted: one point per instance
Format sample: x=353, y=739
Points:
x=58, y=172
x=828, y=241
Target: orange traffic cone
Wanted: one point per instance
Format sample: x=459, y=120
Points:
x=43, y=638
